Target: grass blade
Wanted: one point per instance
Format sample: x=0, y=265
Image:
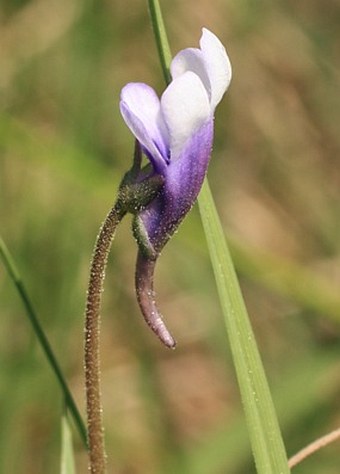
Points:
x=162, y=42
x=14, y=274
x=265, y=436
x=67, y=458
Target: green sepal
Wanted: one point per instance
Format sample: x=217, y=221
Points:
x=134, y=196
x=142, y=239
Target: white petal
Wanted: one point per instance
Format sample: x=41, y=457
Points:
x=140, y=108
x=191, y=59
x=217, y=65
x=185, y=107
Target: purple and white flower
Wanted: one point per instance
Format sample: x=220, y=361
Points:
x=175, y=132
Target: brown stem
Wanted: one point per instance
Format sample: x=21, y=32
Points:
x=145, y=269
x=92, y=328
x=313, y=447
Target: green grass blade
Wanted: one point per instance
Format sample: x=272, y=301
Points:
x=161, y=38
x=264, y=431
x=67, y=459
x=265, y=436
x=14, y=274
x=298, y=397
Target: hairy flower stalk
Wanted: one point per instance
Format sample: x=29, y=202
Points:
x=137, y=189
x=176, y=135
x=92, y=357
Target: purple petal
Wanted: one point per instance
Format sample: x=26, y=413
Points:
x=183, y=181
x=185, y=107
x=140, y=108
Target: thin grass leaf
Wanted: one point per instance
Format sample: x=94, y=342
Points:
x=264, y=431
x=67, y=458
x=293, y=404
x=14, y=274
x=265, y=436
x=161, y=38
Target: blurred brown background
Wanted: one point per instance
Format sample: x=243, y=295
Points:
x=275, y=175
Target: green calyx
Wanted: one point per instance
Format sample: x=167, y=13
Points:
x=142, y=238
x=134, y=196
x=138, y=187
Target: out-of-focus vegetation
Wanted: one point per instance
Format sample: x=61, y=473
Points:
x=275, y=173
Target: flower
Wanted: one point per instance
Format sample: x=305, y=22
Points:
x=176, y=134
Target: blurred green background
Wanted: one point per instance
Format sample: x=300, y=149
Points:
x=275, y=174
